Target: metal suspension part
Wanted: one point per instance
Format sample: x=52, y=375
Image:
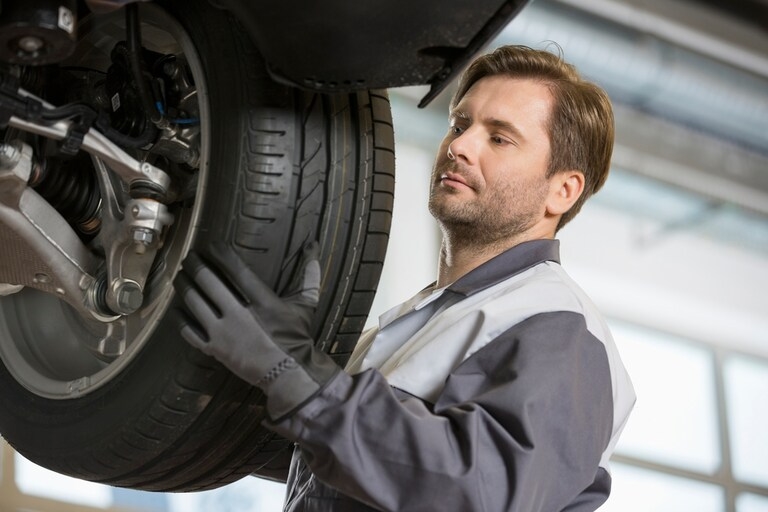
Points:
x=38, y=249
x=37, y=32
x=100, y=172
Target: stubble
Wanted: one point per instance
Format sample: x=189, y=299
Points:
x=490, y=217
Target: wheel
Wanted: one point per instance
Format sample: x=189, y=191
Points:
x=129, y=403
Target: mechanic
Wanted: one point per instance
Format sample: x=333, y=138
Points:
x=498, y=387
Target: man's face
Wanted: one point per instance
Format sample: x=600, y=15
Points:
x=488, y=181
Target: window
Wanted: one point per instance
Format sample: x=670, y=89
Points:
x=638, y=489
x=47, y=491
x=675, y=419
x=672, y=456
x=746, y=389
x=751, y=503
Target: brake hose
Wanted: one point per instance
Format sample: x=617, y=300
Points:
x=133, y=41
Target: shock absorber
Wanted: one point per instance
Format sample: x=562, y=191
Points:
x=70, y=186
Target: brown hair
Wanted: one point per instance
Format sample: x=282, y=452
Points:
x=581, y=127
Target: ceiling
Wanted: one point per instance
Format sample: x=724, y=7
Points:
x=751, y=12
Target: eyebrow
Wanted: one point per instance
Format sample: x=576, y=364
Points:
x=492, y=121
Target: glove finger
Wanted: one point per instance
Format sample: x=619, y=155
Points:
x=205, y=300
x=240, y=276
x=191, y=331
x=182, y=282
x=304, y=287
x=194, y=338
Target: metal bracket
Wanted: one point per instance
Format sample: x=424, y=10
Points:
x=130, y=233
x=37, y=247
x=132, y=236
x=98, y=145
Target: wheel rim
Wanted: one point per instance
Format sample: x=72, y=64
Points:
x=44, y=344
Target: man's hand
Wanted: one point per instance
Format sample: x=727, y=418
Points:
x=261, y=337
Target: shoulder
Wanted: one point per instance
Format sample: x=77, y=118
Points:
x=551, y=289
x=544, y=289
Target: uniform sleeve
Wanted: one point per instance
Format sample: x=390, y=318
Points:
x=519, y=426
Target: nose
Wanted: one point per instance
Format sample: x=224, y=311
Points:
x=451, y=156
x=460, y=148
x=454, y=149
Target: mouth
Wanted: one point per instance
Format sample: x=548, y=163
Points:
x=454, y=180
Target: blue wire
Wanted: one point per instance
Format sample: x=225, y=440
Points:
x=180, y=120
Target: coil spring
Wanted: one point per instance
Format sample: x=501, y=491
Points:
x=71, y=188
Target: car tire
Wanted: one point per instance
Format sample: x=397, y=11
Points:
x=284, y=167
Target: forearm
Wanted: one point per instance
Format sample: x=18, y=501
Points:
x=359, y=438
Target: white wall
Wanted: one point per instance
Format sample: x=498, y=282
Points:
x=678, y=282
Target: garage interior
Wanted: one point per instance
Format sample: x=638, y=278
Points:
x=674, y=250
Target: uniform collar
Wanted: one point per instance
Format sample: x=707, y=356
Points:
x=510, y=262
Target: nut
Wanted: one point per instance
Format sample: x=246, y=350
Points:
x=144, y=236
x=128, y=297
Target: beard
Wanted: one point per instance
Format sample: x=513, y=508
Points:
x=492, y=216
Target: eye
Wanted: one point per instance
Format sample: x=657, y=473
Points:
x=456, y=129
x=499, y=141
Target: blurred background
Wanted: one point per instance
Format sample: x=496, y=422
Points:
x=674, y=250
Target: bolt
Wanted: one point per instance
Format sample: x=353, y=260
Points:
x=41, y=278
x=143, y=238
x=128, y=297
x=66, y=19
x=9, y=156
x=30, y=44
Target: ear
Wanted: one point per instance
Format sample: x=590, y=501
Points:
x=565, y=188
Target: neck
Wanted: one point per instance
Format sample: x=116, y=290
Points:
x=458, y=258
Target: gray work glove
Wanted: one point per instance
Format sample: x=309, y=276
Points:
x=262, y=338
